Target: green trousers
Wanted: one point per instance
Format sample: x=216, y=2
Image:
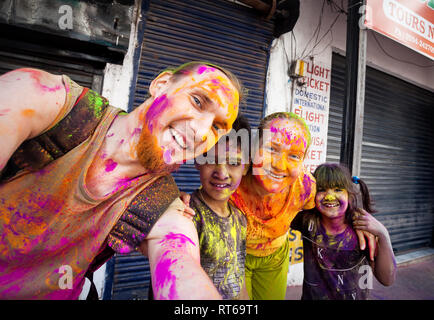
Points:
x=266, y=276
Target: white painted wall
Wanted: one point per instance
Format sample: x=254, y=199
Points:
x=299, y=43
x=116, y=88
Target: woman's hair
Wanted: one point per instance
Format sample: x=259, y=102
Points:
x=333, y=175
x=283, y=115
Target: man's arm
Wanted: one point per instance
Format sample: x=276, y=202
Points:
x=173, y=251
x=30, y=100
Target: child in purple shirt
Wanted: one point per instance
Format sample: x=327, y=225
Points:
x=334, y=266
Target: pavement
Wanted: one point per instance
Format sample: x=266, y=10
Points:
x=414, y=279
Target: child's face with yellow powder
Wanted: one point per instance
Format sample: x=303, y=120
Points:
x=221, y=179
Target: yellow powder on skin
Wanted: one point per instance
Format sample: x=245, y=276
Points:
x=28, y=112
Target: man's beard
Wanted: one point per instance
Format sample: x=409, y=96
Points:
x=150, y=154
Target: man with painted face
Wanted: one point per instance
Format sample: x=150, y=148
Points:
x=274, y=190
x=82, y=179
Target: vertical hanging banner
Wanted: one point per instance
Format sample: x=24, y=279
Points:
x=310, y=101
x=409, y=22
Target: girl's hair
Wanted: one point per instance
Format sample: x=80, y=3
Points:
x=283, y=115
x=333, y=175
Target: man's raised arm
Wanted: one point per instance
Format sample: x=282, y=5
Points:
x=173, y=250
x=30, y=100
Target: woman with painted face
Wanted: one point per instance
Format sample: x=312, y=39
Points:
x=334, y=266
x=274, y=190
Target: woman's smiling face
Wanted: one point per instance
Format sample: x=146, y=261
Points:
x=279, y=160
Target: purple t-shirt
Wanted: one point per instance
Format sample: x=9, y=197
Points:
x=334, y=266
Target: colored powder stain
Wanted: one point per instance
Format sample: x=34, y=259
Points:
x=136, y=131
x=167, y=156
x=122, y=141
x=123, y=182
x=35, y=75
x=156, y=108
x=164, y=278
x=28, y=112
x=307, y=184
x=96, y=102
x=178, y=237
x=45, y=88
x=4, y=112
x=203, y=69
x=110, y=135
x=110, y=165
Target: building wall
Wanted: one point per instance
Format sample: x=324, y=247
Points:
x=278, y=85
x=304, y=43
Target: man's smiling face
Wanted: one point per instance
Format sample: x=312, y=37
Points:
x=190, y=112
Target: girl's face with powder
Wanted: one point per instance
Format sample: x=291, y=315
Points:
x=332, y=203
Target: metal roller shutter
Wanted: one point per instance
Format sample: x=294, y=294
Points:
x=398, y=157
x=397, y=152
x=336, y=109
x=220, y=32
x=217, y=31
x=19, y=55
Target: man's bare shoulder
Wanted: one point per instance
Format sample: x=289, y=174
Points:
x=31, y=98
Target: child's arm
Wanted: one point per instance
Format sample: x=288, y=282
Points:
x=384, y=264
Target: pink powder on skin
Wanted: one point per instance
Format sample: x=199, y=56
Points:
x=110, y=165
x=125, y=182
x=167, y=157
x=163, y=277
x=290, y=138
x=307, y=186
x=136, y=131
x=180, y=238
x=157, y=107
x=35, y=75
x=3, y=112
x=45, y=88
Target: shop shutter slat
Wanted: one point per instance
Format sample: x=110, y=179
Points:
x=336, y=109
x=397, y=152
x=398, y=157
x=81, y=71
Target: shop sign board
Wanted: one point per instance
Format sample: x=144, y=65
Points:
x=409, y=22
